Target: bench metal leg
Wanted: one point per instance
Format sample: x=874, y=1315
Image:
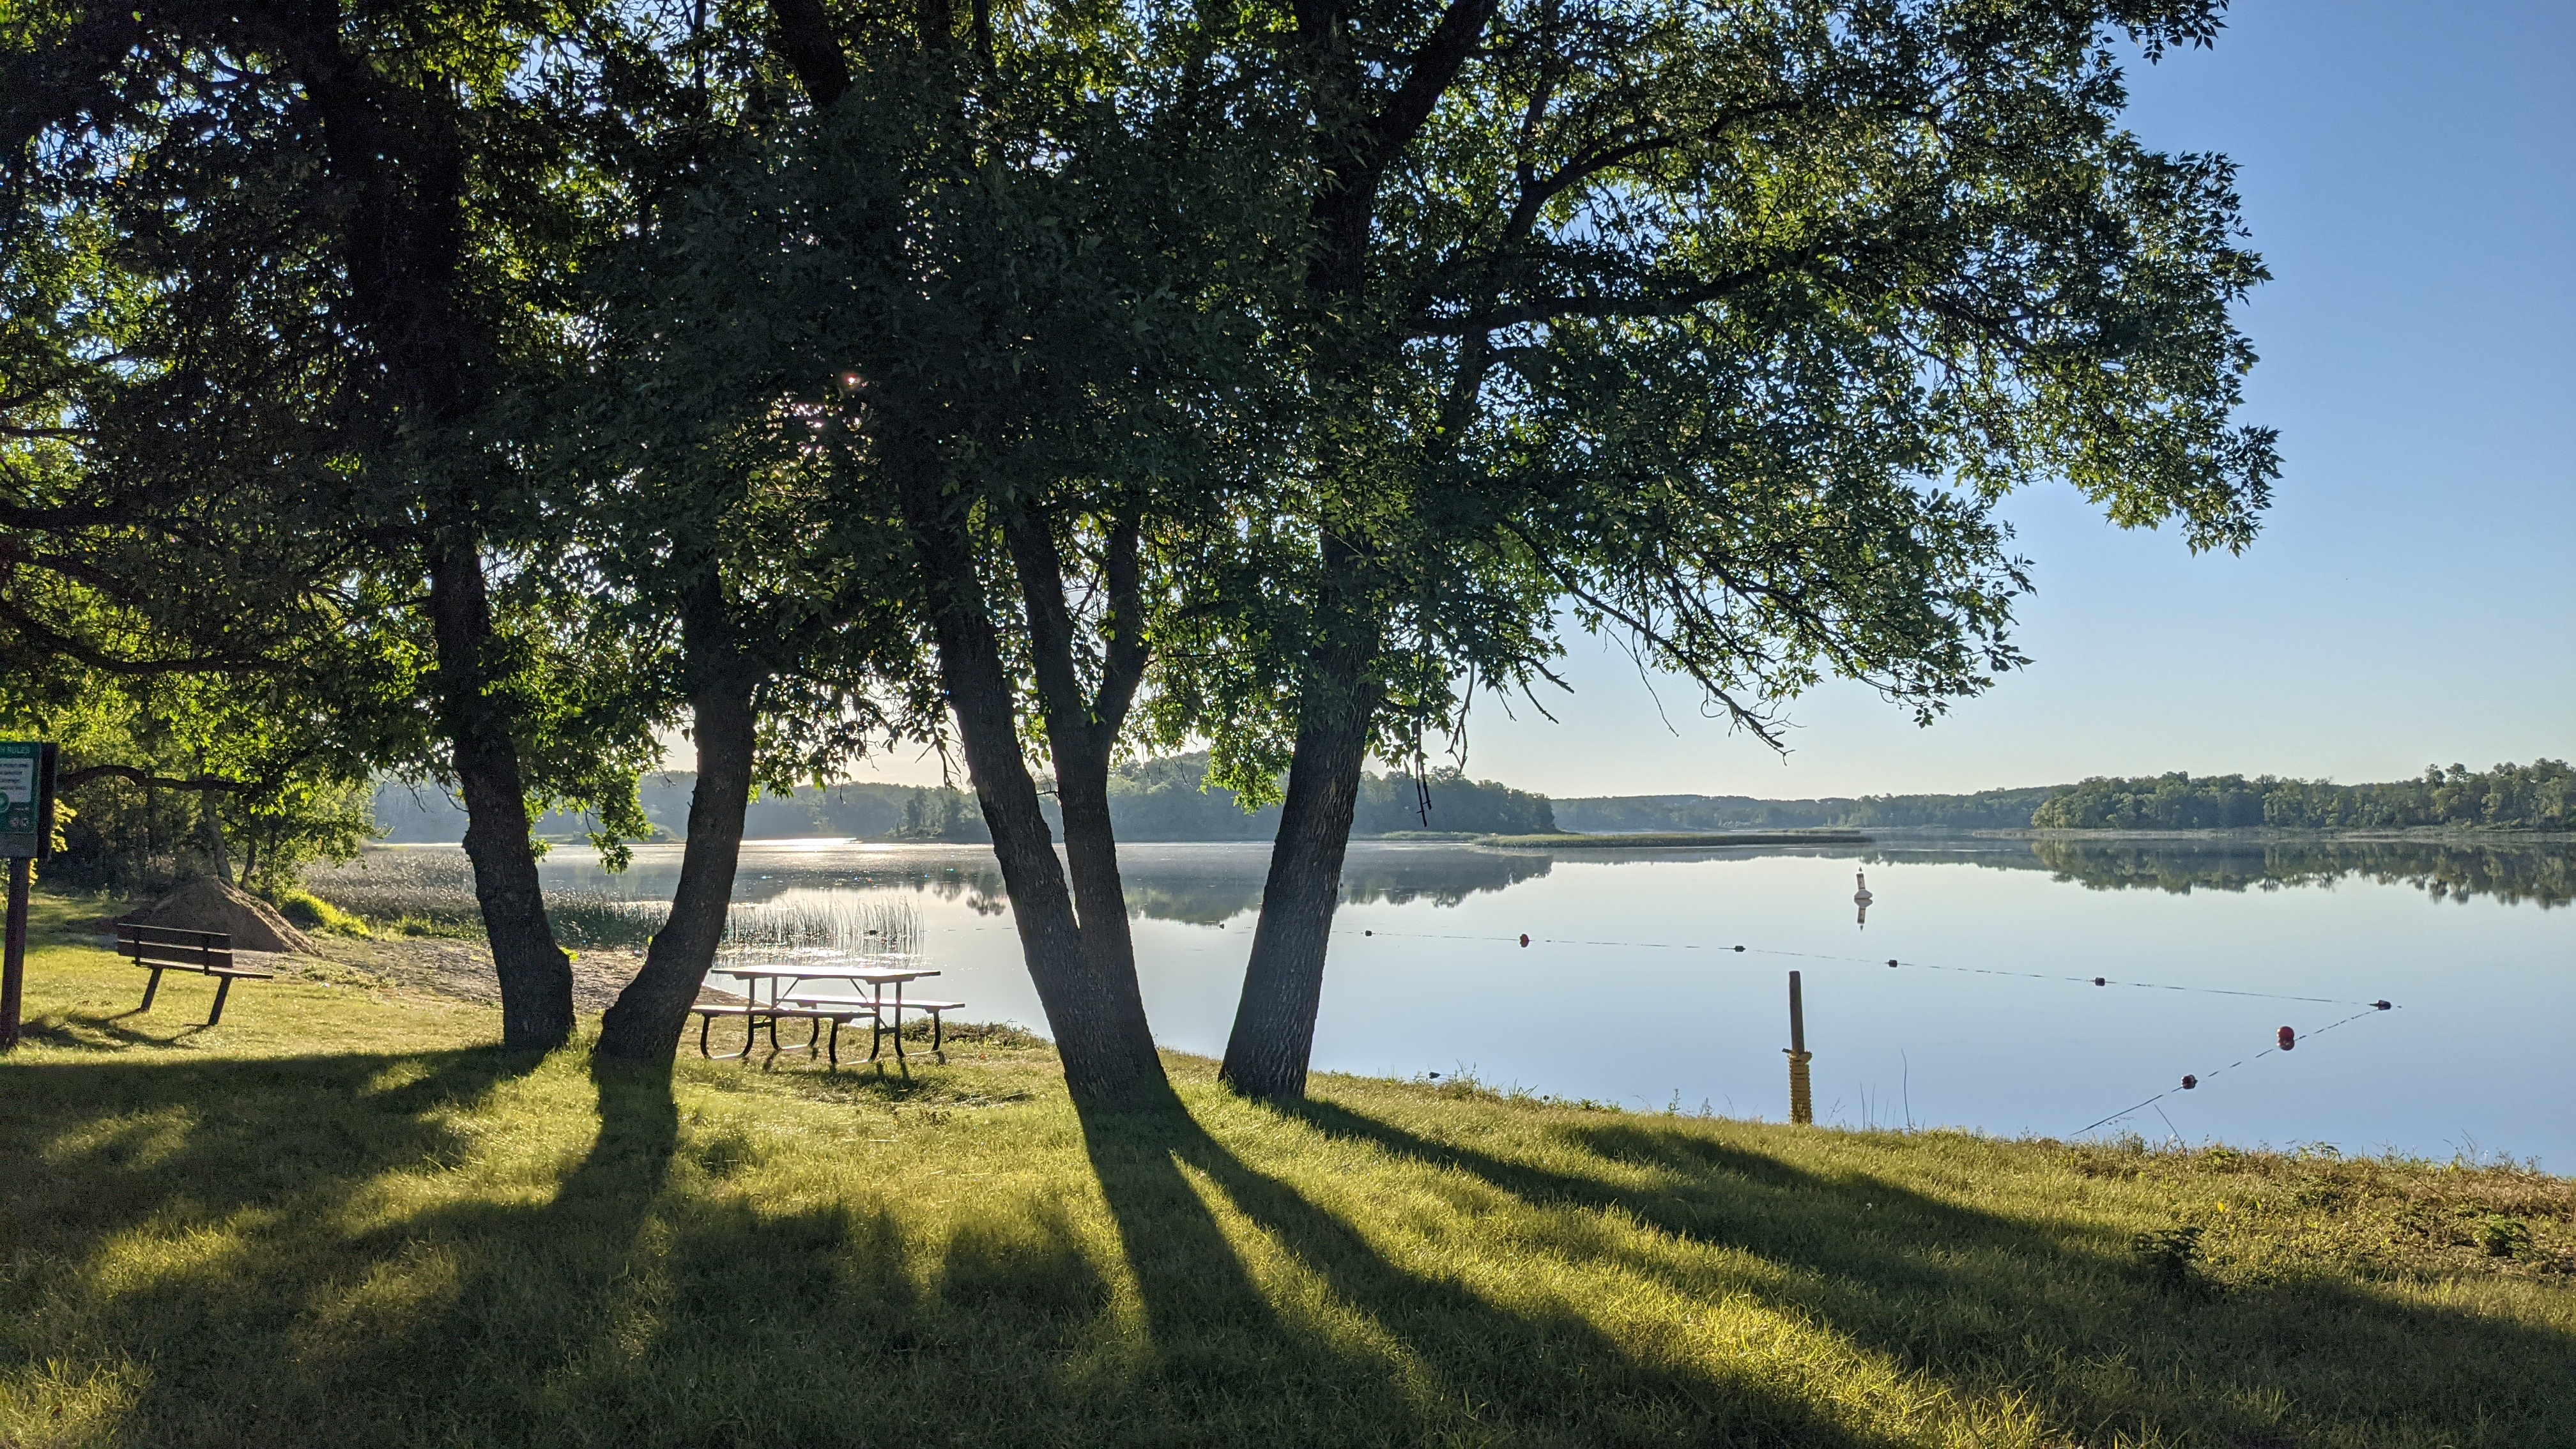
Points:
x=810, y=1043
x=223, y=988
x=707, y=1024
x=151, y=988
x=938, y=1043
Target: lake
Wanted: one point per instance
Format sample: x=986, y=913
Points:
x=1630, y=991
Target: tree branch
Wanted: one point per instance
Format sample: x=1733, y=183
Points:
x=74, y=779
x=45, y=637
x=1124, y=668
x=1550, y=309
x=807, y=44
x=1583, y=168
x=1435, y=65
x=1041, y=569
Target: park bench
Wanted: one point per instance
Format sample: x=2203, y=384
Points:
x=168, y=948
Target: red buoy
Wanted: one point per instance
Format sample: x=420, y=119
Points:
x=2189, y=1081
x=2289, y=1038
x=1524, y=939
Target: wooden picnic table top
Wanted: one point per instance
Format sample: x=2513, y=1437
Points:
x=884, y=974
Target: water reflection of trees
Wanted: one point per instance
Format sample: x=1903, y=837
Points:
x=976, y=883
x=1443, y=878
x=1206, y=884
x=1198, y=885
x=2515, y=874
x=1211, y=892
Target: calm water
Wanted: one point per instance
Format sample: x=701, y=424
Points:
x=1629, y=991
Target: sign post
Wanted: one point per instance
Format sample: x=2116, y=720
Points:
x=26, y=836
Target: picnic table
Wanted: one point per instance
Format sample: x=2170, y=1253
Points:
x=788, y=1000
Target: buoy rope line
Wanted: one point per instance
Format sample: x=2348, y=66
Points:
x=1889, y=961
x=2192, y=1083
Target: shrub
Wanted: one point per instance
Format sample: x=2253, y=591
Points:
x=313, y=913
x=2169, y=1258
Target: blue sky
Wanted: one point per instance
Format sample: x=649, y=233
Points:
x=2409, y=173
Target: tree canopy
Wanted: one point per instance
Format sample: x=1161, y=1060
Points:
x=500, y=385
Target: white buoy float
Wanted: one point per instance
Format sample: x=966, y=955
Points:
x=1861, y=896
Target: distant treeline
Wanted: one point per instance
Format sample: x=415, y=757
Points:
x=861, y=811
x=1985, y=810
x=1163, y=800
x=2537, y=796
x=1148, y=800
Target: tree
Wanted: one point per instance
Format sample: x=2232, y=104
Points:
x=341, y=220
x=990, y=257
x=1727, y=326
x=707, y=525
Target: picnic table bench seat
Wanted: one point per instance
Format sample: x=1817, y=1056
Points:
x=756, y=1014
x=894, y=1008
x=171, y=948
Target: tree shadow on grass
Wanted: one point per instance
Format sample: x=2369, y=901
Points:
x=133, y=1027
x=1383, y=1354
x=1989, y=1304
x=365, y=1249
x=354, y=1250
x=243, y=1237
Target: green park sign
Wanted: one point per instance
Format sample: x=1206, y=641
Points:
x=26, y=799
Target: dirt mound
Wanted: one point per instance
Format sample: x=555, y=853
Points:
x=211, y=905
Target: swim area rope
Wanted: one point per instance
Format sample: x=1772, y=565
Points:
x=2190, y=1082
x=1890, y=961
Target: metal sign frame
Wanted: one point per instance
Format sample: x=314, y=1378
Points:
x=27, y=799
x=26, y=836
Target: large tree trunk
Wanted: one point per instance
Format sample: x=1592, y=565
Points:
x=1091, y=859
x=1082, y=733
x=1082, y=965
x=399, y=158
x=536, y=976
x=1274, y=1024
x=646, y=1022
x=1087, y=986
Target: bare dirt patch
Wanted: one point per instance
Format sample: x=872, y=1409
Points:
x=446, y=966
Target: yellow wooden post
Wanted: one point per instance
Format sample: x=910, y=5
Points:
x=1802, y=1096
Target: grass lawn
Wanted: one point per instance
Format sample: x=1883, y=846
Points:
x=344, y=1218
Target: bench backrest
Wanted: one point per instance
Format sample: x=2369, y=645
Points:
x=172, y=946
